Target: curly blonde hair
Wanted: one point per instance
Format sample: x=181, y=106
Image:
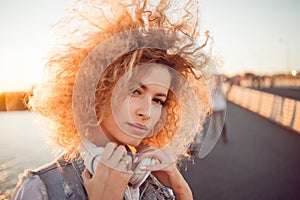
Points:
x=93, y=22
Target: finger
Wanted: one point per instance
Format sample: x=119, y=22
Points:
x=86, y=175
x=108, y=151
x=149, y=154
x=117, y=155
x=156, y=167
x=125, y=163
x=144, y=148
x=162, y=160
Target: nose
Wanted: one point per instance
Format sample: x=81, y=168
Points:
x=144, y=108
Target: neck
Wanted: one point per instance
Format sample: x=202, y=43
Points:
x=97, y=136
x=108, y=137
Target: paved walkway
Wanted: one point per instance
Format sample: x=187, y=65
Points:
x=260, y=161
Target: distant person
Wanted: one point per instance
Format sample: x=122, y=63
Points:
x=219, y=110
x=119, y=98
x=197, y=143
x=213, y=126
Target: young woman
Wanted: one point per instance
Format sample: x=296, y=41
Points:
x=124, y=96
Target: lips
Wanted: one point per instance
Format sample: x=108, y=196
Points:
x=137, y=128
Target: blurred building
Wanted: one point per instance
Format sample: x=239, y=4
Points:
x=2, y=102
x=13, y=101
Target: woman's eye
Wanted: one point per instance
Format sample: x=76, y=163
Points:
x=159, y=101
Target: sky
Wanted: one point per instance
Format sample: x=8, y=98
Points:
x=259, y=36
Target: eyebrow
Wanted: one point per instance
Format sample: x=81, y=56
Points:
x=144, y=87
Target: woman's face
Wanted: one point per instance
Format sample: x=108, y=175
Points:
x=134, y=117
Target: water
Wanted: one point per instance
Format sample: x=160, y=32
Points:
x=23, y=145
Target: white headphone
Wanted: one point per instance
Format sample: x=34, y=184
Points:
x=91, y=155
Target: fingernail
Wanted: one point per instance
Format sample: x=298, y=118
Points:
x=135, y=159
x=143, y=167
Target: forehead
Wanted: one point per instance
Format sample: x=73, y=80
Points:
x=155, y=74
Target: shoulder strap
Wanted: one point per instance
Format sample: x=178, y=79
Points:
x=152, y=189
x=62, y=179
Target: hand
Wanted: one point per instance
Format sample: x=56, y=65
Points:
x=111, y=176
x=165, y=170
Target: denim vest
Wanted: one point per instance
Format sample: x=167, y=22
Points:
x=63, y=180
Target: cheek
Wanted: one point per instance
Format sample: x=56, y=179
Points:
x=130, y=107
x=124, y=110
x=156, y=114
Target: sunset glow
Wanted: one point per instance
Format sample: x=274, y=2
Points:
x=256, y=36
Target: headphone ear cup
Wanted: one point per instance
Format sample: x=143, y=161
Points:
x=91, y=155
x=140, y=176
x=91, y=162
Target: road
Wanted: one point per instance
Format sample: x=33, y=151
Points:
x=260, y=161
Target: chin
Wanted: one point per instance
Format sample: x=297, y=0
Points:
x=126, y=139
x=132, y=142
